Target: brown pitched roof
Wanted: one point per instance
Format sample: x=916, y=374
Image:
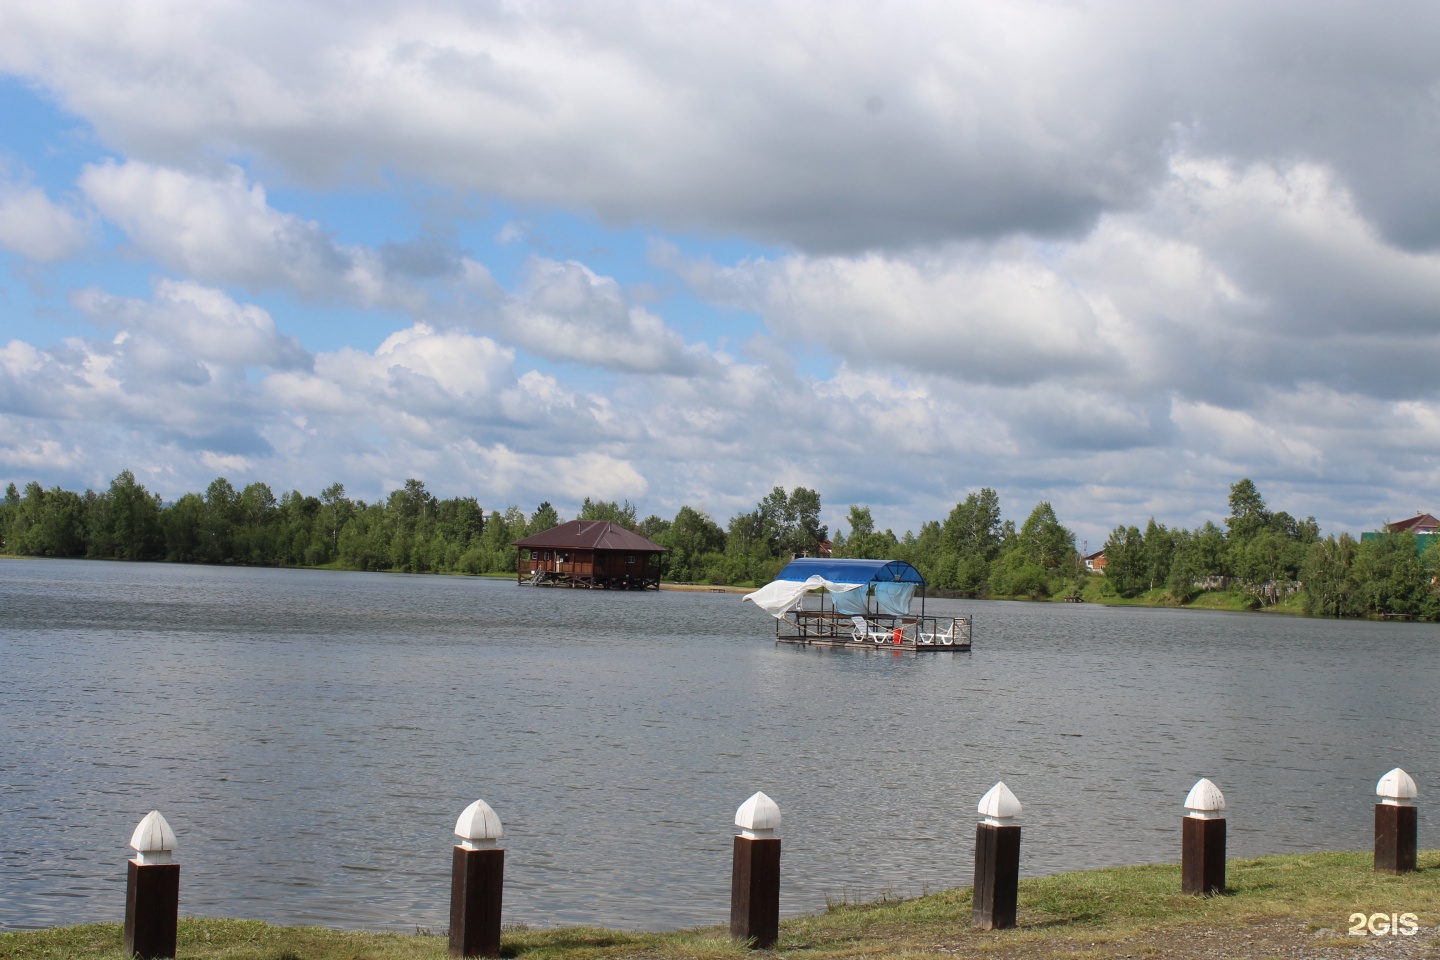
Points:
x=1424, y=523
x=591, y=535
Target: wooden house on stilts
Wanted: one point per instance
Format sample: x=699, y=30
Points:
x=589, y=553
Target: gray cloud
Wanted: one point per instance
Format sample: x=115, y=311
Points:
x=1031, y=117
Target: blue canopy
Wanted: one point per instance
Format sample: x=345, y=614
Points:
x=851, y=571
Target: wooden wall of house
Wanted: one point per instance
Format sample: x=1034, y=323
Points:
x=592, y=563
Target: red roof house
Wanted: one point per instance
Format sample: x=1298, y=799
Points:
x=1423, y=524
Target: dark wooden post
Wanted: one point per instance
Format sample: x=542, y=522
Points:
x=1396, y=830
x=1202, y=844
x=152, y=890
x=755, y=874
x=477, y=880
x=997, y=860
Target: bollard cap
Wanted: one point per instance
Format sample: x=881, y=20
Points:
x=153, y=840
x=999, y=805
x=758, y=818
x=1204, y=801
x=478, y=827
x=1397, y=788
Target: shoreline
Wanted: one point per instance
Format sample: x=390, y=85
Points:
x=1288, y=906
x=1228, y=601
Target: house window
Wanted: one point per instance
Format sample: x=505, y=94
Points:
x=630, y=558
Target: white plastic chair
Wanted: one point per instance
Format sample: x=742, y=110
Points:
x=945, y=638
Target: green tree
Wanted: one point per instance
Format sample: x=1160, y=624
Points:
x=1387, y=577
x=48, y=523
x=1126, y=564
x=541, y=520
x=1326, y=574
x=1159, y=554
x=9, y=512
x=338, y=511
x=256, y=516
x=301, y=537
x=1248, y=515
x=864, y=541
x=608, y=510
x=412, y=501
x=217, y=526
x=181, y=524
x=1046, y=543
x=653, y=528
x=970, y=540
x=124, y=522
x=1184, y=573
x=691, y=538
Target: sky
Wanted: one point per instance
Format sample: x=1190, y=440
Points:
x=1115, y=256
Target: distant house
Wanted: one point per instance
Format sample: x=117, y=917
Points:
x=1096, y=561
x=589, y=553
x=1424, y=526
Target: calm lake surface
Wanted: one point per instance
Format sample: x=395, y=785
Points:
x=312, y=736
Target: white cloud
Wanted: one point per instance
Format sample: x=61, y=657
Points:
x=995, y=318
x=34, y=226
x=199, y=322
x=568, y=313
x=222, y=229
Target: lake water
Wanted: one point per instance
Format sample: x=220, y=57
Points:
x=312, y=736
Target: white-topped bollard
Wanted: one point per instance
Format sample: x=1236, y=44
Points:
x=1202, y=856
x=1396, y=829
x=997, y=860
x=152, y=890
x=477, y=880
x=755, y=873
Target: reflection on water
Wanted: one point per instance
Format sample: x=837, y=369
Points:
x=311, y=736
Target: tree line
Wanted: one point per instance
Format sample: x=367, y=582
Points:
x=974, y=551
x=1272, y=555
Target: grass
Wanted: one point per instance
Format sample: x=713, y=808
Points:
x=1093, y=590
x=1285, y=906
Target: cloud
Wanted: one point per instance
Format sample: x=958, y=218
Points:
x=1242, y=279
x=955, y=121
x=995, y=318
x=1233, y=280
x=568, y=313
x=34, y=226
x=197, y=322
x=1111, y=255
x=221, y=229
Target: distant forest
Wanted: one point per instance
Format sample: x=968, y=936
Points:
x=1268, y=557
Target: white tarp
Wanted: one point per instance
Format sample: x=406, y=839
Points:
x=779, y=597
x=894, y=598
x=851, y=604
